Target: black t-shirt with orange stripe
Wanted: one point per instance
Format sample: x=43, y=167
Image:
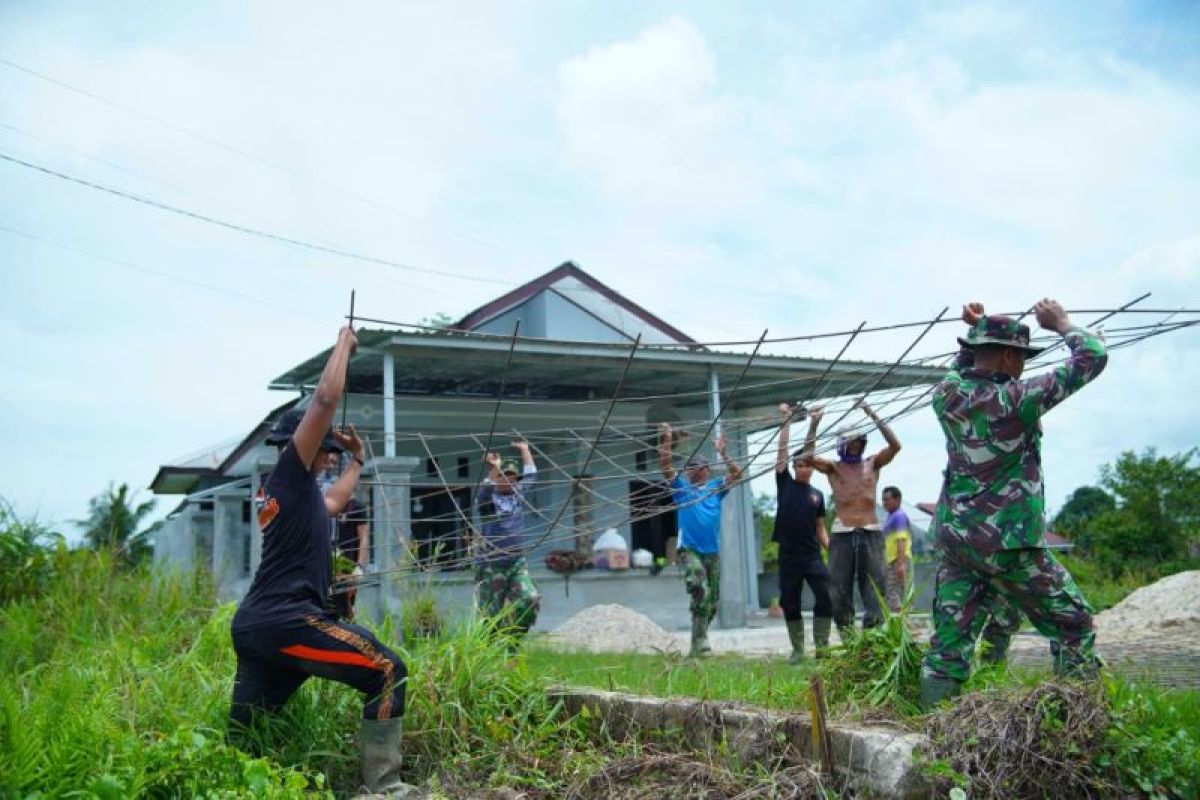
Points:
x=292, y=581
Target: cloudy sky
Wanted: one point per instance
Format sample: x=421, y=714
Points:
x=798, y=167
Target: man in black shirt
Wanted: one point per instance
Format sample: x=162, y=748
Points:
x=800, y=532
x=352, y=547
x=282, y=631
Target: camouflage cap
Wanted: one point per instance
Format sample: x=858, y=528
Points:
x=509, y=467
x=1004, y=331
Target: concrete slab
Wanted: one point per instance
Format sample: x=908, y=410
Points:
x=872, y=758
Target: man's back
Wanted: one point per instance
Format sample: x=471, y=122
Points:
x=992, y=495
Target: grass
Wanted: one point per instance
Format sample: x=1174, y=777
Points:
x=115, y=683
x=769, y=683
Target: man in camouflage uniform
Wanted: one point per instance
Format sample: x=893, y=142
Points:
x=698, y=497
x=503, y=584
x=990, y=520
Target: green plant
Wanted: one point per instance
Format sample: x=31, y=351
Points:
x=1154, y=741
x=420, y=616
x=27, y=550
x=877, y=667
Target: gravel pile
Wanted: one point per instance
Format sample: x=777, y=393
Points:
x=612, y=628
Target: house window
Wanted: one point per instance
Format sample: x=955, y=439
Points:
x=437, y=525
x=464, y=467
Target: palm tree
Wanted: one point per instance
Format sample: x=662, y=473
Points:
x=113, y=523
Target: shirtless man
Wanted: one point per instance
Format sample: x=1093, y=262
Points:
x=856, y=544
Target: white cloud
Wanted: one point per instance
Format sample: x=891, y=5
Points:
x=645, y=119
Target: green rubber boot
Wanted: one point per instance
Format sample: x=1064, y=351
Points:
x=994, y=649
x=700, y=646
x=821, y=628
x=379, y=744
x=795, y=629
x=935, y=689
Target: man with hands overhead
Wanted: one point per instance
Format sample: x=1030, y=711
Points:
x=698, y=497
x=990, y=522
x=283, y=632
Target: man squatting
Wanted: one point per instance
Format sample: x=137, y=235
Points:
x=283, y=632
x=989, y=528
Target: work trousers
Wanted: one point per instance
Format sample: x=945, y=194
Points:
x=973, y=587
x=793, y=573
x=856, y=557
x=702, y=578
x=508, y=589
x=272, y=663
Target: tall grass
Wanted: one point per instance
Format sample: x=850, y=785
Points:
x=117, y=683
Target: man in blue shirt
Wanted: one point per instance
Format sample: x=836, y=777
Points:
x=698, y=497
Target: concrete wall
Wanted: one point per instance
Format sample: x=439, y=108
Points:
x=662, y=598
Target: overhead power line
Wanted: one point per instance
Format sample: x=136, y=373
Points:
x=237, y=151
x=244, y=229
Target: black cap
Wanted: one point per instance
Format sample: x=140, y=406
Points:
x=285, y=427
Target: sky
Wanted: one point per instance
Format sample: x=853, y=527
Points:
x=732, y=167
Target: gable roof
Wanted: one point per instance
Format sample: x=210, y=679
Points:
x=566, y=273
x=212, y=463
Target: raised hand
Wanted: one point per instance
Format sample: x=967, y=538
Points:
x=1051, y=315
x=348, y=439
x=972, y=313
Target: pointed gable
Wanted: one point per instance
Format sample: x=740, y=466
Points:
x=568, y=304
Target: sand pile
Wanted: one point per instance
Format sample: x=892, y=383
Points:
x=612, y=628
x=1166, y=606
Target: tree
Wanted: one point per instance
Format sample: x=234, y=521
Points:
x=439, y=320
x=114, y=521
x=1157, y=511
x=764, y=524
x=1084, y=504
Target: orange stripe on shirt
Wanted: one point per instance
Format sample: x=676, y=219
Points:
x=329, y=656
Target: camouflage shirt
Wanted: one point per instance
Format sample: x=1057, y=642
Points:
x=992, y=497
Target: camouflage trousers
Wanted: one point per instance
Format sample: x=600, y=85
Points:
x=973, y=588
x=507, y=589
x=702, y=577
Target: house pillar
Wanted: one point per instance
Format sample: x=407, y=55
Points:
x=732, y=609
x=389, y=405
x=228, y=565
x=391, y=533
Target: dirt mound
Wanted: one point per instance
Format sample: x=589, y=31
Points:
x=1171, y=603
x=611, y=627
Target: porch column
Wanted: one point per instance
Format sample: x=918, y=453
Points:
x=389, y=405
x=391, y=533
x=731, y=611
x=228, y=530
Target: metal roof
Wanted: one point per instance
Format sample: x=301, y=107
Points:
x=465, y=364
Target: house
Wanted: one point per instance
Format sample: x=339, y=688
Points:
x=571, y=383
